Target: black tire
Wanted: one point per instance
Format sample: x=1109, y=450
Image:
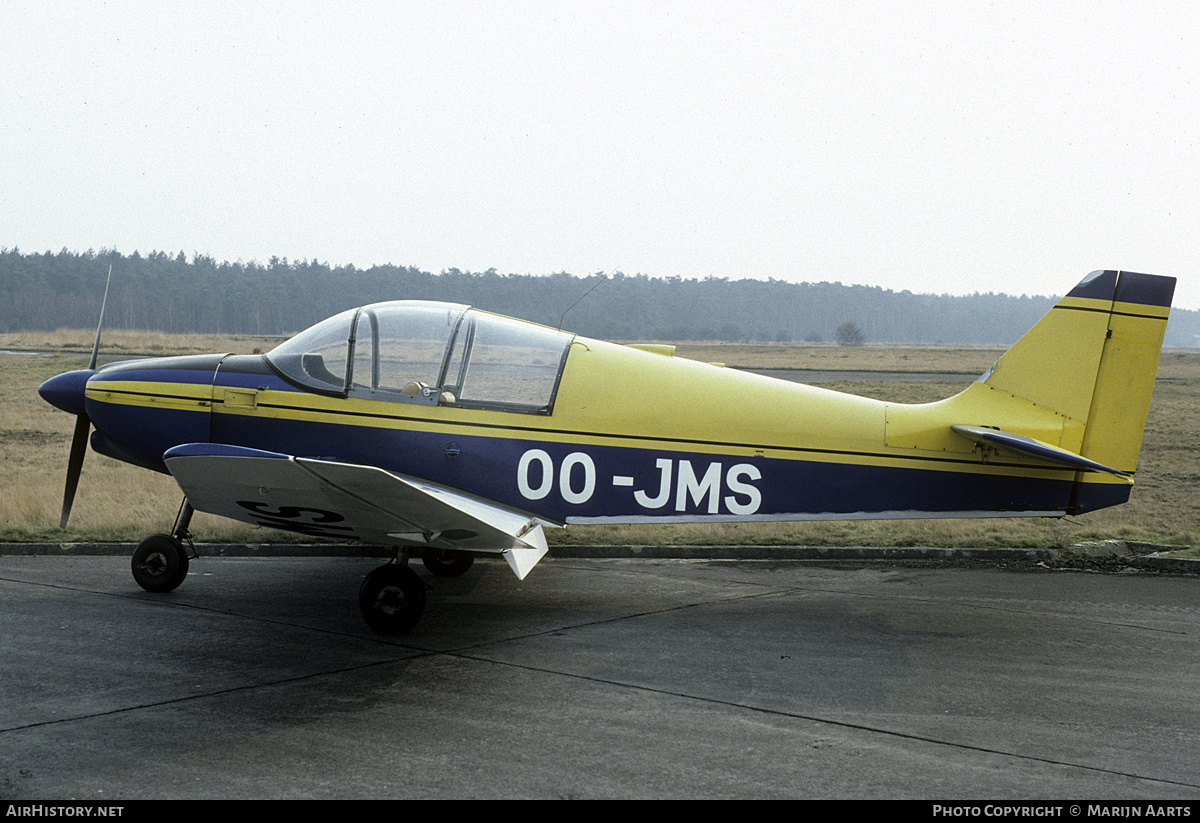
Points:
x=159, y=563
x=447, y=562
x=392, y=599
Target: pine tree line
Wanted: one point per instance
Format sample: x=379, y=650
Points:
x=160, y=291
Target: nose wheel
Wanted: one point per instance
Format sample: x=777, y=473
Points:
x=159, y=564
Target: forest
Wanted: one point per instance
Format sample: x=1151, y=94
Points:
x=173, y=292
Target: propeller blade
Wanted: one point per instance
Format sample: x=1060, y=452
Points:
x=83, y=425
x=67, y=393
x=100, y=324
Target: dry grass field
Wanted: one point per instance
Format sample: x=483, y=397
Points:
x=119, y=502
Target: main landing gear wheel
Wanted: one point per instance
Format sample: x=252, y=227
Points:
x=447, y=562
x=392, y=599
x=159, y=564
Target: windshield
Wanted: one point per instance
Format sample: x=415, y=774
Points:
x=317, y=357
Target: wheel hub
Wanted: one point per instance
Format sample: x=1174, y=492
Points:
x=156, y=564
x=390, y=600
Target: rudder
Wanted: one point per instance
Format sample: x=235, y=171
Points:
x=1128, y=366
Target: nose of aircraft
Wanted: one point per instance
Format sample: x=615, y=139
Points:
x=66, y=390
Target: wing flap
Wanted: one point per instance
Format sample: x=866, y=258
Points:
x=350, y=501
x=449, y=518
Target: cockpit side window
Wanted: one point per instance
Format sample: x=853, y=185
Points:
x=400, y=349
x=412, y=345
x=506, y=364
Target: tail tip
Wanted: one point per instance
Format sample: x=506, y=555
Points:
x=1126, y=287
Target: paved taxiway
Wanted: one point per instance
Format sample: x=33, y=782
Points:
x=600, y=678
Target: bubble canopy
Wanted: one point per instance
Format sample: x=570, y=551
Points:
x=412, y=351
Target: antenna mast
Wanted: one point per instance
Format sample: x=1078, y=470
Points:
x=585, y=294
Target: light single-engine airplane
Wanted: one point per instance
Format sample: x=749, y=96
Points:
x=444, y=431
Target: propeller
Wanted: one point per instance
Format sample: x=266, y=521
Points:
x=83, y=424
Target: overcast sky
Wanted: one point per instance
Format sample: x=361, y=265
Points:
x=940, y=147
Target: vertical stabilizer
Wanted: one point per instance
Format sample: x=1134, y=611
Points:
x=1092, y=359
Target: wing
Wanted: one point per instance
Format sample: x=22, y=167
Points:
x=351, y=502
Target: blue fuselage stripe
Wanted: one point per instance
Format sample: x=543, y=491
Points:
x=565, y=480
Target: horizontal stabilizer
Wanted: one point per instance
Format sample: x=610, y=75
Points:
x=1028, y=447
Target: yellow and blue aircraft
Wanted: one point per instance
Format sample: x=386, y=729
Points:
x=444, y=431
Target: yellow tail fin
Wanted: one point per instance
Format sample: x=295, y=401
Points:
x=1093, y=359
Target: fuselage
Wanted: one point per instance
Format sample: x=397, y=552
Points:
x=630, y=436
